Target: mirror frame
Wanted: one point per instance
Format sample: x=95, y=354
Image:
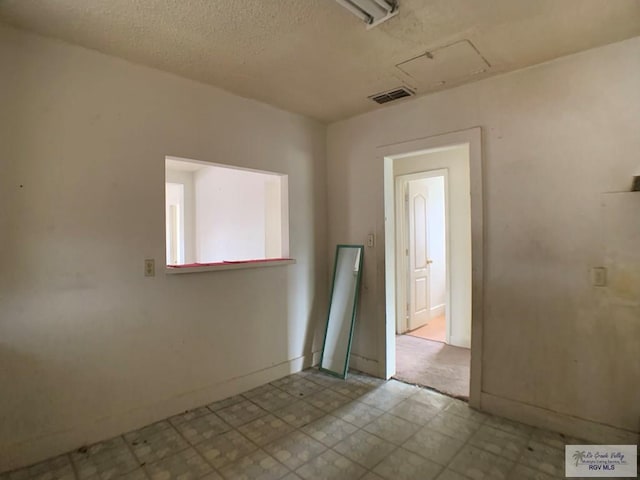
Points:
x=353, y=313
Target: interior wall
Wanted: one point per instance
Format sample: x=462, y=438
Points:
x=174, y=198
x=555, y=136
x=273, y=217
x=185, y=178
x=436, y=245
x=89, y=347
x=230, y=214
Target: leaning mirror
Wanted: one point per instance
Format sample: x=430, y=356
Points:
x=343, y=304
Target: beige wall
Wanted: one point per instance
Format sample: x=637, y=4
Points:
x=555, y=137
x=89, y=347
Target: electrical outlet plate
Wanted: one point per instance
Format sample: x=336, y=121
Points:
x=599, y=276
x=370, y=240
x=149, y=267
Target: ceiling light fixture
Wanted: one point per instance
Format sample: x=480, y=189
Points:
x=371, y=12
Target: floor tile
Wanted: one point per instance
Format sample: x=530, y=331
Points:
x=434, y=446
x=226, y=402
x=331, y=466
x=212, y=476
x=185, y=465
x=297, y=387
x=295, y=449
x=258, y=465
x=352, y=390
x=270, y=398
x=155, y=442
x=226, y=448
x=265, y=429
x=366, y=379
x=414, y=411
x=509, y=426
x=299, y=413
x=552, y=439
x=499, y=442
x=450, y=475
x=359, y=414
x=382, y=399
x=104, y=460
x=462, y=409
x=58, y=468
x=137, y=474
x=323, y=379
x=372, y=476
x=288, y=380
x=202, y=428
x=544, y=458
x=400, y=388
x=522, y=472
x=241, y=412
x=364, y=448
x=329, y=430
x=391, y=428
x=327, y=400
x=189, y=415
x=454, y=426
x=405, y=465
x=479, y=465
x=291, y=476
x=434, y=399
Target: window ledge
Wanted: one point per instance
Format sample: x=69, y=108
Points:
x=213, y=267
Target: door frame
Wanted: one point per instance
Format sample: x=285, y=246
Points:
x=386, y=154
x=402, y=242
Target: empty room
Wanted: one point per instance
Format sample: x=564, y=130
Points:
x=319, y=239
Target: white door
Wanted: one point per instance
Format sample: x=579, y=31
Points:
x=419, y=262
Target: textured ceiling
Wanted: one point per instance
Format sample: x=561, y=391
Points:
x=314, y=57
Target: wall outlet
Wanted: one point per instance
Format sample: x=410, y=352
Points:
x=599, y=276
x=371, y=240
x=149, y=267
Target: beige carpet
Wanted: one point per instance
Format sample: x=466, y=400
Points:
x=433, y=364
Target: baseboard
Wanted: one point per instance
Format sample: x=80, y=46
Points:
x=460, y=342
x=363, y=364
x=33, y=450
x=557, y=422
x=437, y=311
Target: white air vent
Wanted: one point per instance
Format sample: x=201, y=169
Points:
x=391, y=95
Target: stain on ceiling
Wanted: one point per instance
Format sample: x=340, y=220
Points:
x=314, y=57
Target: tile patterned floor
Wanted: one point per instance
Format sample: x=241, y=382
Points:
x=312, y=426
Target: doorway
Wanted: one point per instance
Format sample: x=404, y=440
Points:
x=432, y=303
x=422, y=236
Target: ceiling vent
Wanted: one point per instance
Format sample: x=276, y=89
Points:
x=391, y=95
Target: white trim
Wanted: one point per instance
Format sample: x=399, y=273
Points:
x=386, y=154
x=557, y=422
x=229, y=266
x=438, y=310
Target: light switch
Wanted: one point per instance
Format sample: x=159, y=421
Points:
x=599, y=276
x=149, y=267
x=371, y=240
